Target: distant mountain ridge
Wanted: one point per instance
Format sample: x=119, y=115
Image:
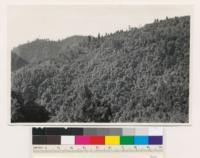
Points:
x=40, y=50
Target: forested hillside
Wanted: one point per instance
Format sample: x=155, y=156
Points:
x=134, y=75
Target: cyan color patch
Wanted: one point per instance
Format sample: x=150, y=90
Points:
x=141, y=140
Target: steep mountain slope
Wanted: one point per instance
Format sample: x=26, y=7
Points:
x=138, y=75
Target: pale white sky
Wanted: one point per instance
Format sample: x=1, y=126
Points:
x=26, y=23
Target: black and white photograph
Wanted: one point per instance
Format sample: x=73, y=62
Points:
x=99, y=63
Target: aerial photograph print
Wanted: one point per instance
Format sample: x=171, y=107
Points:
x=99, y=63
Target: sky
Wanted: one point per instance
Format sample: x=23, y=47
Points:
x=27, y=23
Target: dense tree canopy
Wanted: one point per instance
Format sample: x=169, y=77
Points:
x=134, y=75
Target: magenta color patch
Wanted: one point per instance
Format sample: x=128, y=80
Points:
x=82, y=140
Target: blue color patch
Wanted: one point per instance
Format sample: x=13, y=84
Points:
x=141, y=140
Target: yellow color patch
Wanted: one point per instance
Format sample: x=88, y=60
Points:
x=112, y=140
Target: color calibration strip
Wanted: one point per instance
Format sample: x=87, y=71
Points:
x=98, y=140
x=97, y=136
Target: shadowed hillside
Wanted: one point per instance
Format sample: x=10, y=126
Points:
x=17, y=62
x=134, y=75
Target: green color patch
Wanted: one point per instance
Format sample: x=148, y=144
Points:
x=126, y=140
